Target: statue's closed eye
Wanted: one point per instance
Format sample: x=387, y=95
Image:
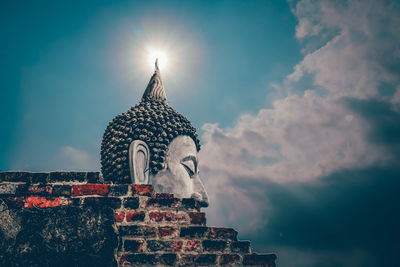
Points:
x=189, y=165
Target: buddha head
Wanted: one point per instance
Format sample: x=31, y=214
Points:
x=153, y=144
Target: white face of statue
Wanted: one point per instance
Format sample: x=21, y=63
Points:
x=181, y=175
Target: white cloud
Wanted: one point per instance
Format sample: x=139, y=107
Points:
x=311, y=135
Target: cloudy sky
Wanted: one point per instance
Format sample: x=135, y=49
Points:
x=297, y=104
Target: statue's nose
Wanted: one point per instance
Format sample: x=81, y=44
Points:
x=200, y=193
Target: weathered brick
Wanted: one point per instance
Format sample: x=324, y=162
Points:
x=229, y=259
x=167, y=216
x=133, y=245
x=119, y=217
x=221, y=232
x=14, y=202
x=177, y=246
x=159, y=245
x=118, y=190
x=167, y=231
x=112, y=202
x=40, y=189
x=62, y=190
x=42, y=202
x=206, y=259
x=132, y=216
x=260, y=259
x=163, y=202
x=190, y=203
x=67, y=176
x=131, y=203
x=7, y=176
x=165, y=246
x=137, y=230
x=198, y=259
x=214, y=245
x=140, y=258
x=90, y=189
x=197, y=218
x=193, y=231
x=142, y=189
x=38, y=177
x=8, y=189
x=27, y=177
x=241, y=246
x=168, y=259
x=93, y=177
x=192, y=245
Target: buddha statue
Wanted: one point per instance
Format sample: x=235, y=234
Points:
x=153, y=144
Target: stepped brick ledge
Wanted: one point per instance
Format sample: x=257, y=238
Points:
x=75, y=218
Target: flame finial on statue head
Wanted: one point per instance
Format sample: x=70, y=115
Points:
x=155, y=88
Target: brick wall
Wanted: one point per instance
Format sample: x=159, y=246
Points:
x=75, y=218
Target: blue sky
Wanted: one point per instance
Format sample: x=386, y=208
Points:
x=297, y=105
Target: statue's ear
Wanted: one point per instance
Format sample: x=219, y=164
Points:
x=139, y=158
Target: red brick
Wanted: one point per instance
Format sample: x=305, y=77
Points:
x=197, y=218
x=133, y=245
x=177, y=246
x=132, y=216
x=192, y=245
x=220, y=232
x=164, y=196
x=229, y=259
x=142, y=189
x=241, y=246
x=214, y=245
x=158, y=216
x=90, y=189
x=119, y=217
x=40, y=189
x=193, y=232
x=167, y=231
x=42, y=202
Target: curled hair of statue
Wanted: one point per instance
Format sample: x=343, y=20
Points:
x=151, y=121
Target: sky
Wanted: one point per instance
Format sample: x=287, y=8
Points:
x=297, y=104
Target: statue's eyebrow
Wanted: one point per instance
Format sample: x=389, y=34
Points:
x=192, y=158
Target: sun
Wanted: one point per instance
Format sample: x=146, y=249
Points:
x=161, y=56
